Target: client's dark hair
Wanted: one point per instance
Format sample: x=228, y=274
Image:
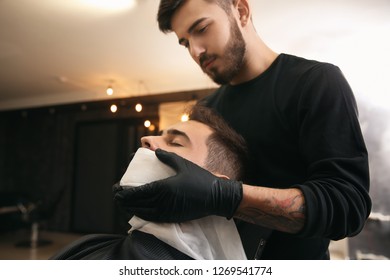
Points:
x=168, y=8
x=227, y=150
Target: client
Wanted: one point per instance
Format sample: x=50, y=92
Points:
x=205, y=140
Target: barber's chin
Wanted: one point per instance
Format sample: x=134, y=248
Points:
x=213, y=75
x=218, y=79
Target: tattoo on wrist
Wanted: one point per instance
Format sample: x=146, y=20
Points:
x=286, y=215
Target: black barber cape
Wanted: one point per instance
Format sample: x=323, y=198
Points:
x=135, y=246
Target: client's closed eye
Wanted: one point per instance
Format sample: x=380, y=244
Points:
x=175, y=144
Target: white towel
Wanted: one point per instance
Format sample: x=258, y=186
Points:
x=209, y=238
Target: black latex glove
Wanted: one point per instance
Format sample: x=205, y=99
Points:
x=191, y=194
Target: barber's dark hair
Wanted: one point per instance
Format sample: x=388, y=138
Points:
x=227, y=150
x=167, y=9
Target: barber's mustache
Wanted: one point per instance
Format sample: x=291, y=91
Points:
x=205, y=59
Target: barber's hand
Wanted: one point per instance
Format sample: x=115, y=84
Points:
x=191, y=194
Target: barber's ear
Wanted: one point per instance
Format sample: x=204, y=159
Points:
x=244, y=11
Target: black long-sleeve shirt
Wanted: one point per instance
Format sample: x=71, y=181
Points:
x=300, y=121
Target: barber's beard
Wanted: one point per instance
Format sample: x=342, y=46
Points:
x=233, y=57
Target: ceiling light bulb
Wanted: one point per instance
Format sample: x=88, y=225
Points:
x=109, y=90
x=184, y=117
x=152, y=127
x=113, y=5
x=138, y=107
x=147, y=123
x=114, y=108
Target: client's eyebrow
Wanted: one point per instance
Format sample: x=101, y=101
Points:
x=179, y=133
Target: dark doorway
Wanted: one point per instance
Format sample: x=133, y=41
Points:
x=103, y=151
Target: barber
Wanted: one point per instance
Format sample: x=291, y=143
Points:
x=307, y=178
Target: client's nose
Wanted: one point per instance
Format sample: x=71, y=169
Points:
x=149, y=142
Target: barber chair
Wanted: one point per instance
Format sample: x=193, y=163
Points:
x=18, y=210
x=31, y=215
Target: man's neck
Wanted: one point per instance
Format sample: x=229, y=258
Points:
x=258, y=58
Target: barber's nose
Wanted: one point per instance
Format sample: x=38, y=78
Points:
x=149, y=142
x=196, y=51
